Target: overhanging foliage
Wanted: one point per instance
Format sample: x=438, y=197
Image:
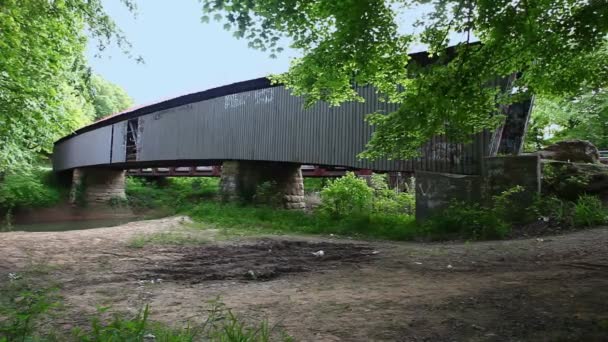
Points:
x=559, y=45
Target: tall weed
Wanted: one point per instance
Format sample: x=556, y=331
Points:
x=221, y=324
x=588, y=211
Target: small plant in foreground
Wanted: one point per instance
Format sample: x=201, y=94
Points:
x=550, y=208
x=588, y=211
x=508, y=207
x=221, y=324
x=22, y=303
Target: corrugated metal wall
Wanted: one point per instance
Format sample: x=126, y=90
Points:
x=269, y=124
x=87, y=149
x=119, y=134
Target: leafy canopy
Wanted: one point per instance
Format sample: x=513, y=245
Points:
x=108, y=98
x=43, y=73
x=581, y=117
x=559, y=45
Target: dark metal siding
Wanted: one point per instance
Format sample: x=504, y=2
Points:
x=267, y=124
x=119, y=142
x=264, y=124
x=87, y=149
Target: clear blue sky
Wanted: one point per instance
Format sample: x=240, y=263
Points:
x=183, y=55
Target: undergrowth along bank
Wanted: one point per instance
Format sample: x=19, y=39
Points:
x=349, y=206
x=345, y=206
x=377, y=215
x=25, y=189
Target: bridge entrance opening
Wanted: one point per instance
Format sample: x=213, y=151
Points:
x=132, y=139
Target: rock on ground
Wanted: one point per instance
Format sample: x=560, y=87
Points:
x=576, y=151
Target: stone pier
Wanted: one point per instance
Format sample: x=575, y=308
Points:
x=274, y=183
x=97, y=185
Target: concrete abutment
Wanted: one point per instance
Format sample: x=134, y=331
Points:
x=435, y=191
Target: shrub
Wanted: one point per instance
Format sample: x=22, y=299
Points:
x=346, y=196
x=511, y=207
x=588, y=211
x=392, y=202
x=468, y=221
x=189, y=190
x=551, y=208
x=28, y=190
x=378, y=182
x=564, y=181
x=473, y=221
x=387, y=201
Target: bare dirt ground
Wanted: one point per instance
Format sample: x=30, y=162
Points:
x=539, y=289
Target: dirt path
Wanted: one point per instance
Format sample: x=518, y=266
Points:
x=549, y=289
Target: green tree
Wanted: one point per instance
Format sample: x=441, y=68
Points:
x=43, y=73
x=559, y=45
x=583, y=117
x=76, y=109
x=108, y=98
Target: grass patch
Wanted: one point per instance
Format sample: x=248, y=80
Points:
x=220, y=325
x=196, y=197
x=26, y=298
x=350, y=207
x=270, y=220
x=29, y=303
x=175, y=238
x=23, y=307
x=379, y=213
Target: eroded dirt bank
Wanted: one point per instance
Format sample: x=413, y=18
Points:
x=553, y=288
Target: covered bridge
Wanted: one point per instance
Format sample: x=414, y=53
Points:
x=258, y=132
